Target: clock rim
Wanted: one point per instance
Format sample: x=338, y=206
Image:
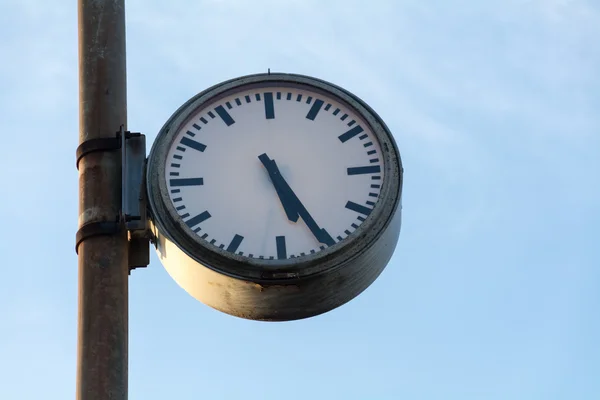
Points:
x=169, y=223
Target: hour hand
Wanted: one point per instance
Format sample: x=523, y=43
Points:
x=286, y=198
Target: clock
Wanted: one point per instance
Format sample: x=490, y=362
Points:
x=274, y=196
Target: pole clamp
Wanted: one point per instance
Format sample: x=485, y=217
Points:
x=95, y=145
x=100, y=228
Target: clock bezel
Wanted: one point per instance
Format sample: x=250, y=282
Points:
x=168, y=222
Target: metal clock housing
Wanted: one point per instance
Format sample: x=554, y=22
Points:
x=208, y=200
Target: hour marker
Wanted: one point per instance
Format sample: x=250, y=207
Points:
x=197, y=230
x=361, y=219
x=327, y=107
x=192, y=134
x=371, y=152
x=375, y=186
x=180, y=208
x=180, y=148
x=198, y=219
x=224, y=115
x=178, y=157
x=210, y=114
x=362, y=137
x=186, y=141
x=354, y=226
x=196, y=126
x=343, y=117
x=289, y=96
x=269, y=109
x=314, y=110
x=308, y=100
x=370, y=169
x=204, y=120
x=278, y=95
x=186, y=182
x=174, y=173
x=205, y=236
x=177, y=199
x=350, y=134
x=373, y=195
x=347, y=232
x=175, y=191
x=351, y=123
x=358, y=208
x=374, y=160
x=174, y=165
x=336, y=112
x=368, y=144
x=370, y=203
x=281, y=252
x=235, y=243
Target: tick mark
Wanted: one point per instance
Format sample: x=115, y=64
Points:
x=269, y=108
x=368, y=144
x=281, y=251
x=228, y=104
x=224, y=115
x=247, y=99
x=186, y=141
x=238, y=102
x=198, y=219
x=371, y=152
x=204, y=120
x=350, y=134
x=211, y=115
x=299, y=98
x=196, y=126
x=192, y=134
x=314, y=110
x=358, y=208
x=370, y=169
x=186, y=182
x=235, y=243
x=257, y=96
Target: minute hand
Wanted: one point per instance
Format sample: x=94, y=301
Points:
x=296, y=206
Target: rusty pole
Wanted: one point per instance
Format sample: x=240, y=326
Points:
x=102, y=253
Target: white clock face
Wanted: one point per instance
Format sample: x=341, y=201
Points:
x=274, y=172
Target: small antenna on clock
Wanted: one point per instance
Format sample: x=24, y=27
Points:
x=268, y=71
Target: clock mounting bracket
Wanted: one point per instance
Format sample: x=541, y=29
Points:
x=132, y=216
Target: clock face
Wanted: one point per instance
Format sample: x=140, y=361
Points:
x=274, y=171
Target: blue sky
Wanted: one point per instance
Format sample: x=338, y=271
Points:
x=494, y=289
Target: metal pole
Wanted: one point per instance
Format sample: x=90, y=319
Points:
x=102, y=256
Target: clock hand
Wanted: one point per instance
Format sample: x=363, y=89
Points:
x=287, y=201
x=292, y=203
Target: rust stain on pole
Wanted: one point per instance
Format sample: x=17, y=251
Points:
x=103, y=268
